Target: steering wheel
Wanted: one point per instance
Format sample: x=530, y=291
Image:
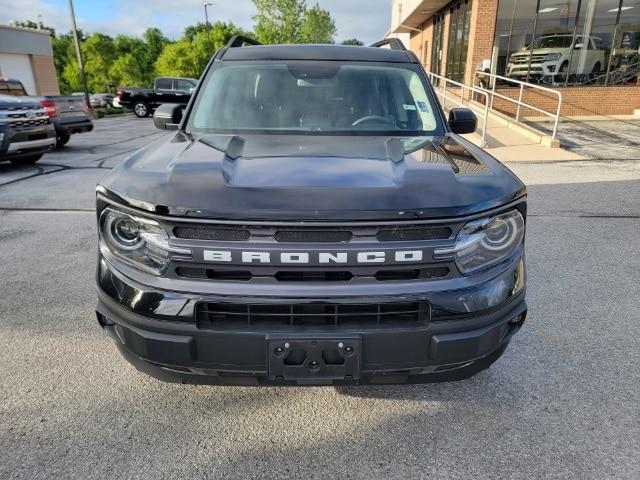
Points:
x=373, y=119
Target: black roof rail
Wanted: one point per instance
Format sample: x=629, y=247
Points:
x=241, y=41
x=394, y=44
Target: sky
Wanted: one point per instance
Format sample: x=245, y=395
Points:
x=367, y=20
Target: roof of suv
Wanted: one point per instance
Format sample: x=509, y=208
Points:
x=316, y=52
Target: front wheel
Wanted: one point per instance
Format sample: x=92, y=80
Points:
x=26, y=160
x=141, y=109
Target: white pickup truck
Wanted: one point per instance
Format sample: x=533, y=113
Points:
x=551, y=56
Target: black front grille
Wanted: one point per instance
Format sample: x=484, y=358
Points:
x=333, y=251
x=311, y=236
x=313, y=276
x=201, y=232
x=296, y=276
x=31, y=123
x=232, y=315
x=413, y=234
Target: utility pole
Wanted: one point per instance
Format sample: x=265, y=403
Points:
x=206, y=17
x=83, y=78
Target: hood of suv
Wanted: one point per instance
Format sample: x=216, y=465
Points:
x=11, y=101
x=294, y=177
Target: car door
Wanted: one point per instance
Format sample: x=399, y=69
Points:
x=164, y=90
x=184, y=88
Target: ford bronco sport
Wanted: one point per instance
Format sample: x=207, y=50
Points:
x=312, y=219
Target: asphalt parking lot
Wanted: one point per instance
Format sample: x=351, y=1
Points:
x=563, y=402
x=597, y=139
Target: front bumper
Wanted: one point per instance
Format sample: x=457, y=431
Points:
x=26, y=141
x=156, y=331
x=537, y=70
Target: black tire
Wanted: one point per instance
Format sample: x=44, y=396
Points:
x=596, y=68
x=141, y=109
x=26, y=160
x=62, y=140
x=564, y=68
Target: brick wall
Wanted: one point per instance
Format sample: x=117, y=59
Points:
x=576, y=101
x=44, y=73
x=483, y=28
x=418, y=40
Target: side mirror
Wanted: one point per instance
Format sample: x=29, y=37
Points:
x=168, y=116
x=579, y=46
x=462, y=120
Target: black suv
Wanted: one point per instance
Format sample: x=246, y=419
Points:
x=314, y=219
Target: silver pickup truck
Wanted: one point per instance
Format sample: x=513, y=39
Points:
x=26, y=131
x=67, y=113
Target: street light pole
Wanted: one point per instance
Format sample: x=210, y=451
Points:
x=206, y=17
x=83, y=78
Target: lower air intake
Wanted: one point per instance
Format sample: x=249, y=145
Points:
x=233, y=315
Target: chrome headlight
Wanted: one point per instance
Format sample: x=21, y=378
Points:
x=551, y=57
x=486, y=242
x=137, y=241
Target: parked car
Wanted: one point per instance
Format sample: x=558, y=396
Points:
x=101, y=100
x=313, y=219
x=26, y=131
x=165, y=90
x=551, y=57
x=68, y=113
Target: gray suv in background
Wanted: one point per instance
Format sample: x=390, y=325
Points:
x=26, y=131
x=68, y=114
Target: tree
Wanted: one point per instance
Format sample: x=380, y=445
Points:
x=192, y=30
x=279, y=21
x=71, y=76
x=183, y=58
x=317, y=26
x=99, y=54
x=188, y=58
x=63, y=50
x=35, y=26
x=353, y=41
x=126, y=70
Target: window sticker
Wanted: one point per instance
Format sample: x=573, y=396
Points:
x=409, y=107
x=423, y=107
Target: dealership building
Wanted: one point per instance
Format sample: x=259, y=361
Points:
x=26, y=55
x=589, y=50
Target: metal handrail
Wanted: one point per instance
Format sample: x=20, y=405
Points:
x=460, y=99
x=519, y=101
x=619, y=75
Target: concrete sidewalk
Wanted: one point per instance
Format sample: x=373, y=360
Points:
x=508, y=145
x=510, y=141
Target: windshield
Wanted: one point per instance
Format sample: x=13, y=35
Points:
x=556, y=41
x=314, y=97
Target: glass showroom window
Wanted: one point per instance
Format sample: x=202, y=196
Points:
x=460, y=18
x=569, y=42
x=514, y=31
x=624, y=59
